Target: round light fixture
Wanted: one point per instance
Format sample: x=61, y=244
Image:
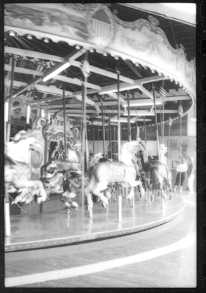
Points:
x=12, y=34
x=46, y=40
x=29, y=37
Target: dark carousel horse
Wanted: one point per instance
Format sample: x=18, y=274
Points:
x=155, y=176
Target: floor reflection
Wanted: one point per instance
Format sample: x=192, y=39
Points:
x=56, y=221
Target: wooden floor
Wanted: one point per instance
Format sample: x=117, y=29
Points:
x=176, y=269
x=54, y=225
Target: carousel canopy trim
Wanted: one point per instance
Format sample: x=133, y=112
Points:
x=143, y=40
x=182, y=12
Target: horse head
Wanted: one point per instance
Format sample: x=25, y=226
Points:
x=131, y=149
x=95, y=159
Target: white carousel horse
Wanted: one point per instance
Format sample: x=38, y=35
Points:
x=105, y=173
x=23, y=142
x=95, y=158
x=19, y=163
x=17, y=176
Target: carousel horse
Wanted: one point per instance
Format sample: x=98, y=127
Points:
x=19, y=163
x=156, y=174
x=23, y=142
x=105, y=173
x=53, y=174
x=17, y=180
x=93, y=161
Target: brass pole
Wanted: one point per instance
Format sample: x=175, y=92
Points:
x=156, y=125
x=103, y=127
x=8, y=127
x=128, y=120
x=118, y=117
x=93, y=136
x=110, y=146
x=64, y=116
x=85, y=71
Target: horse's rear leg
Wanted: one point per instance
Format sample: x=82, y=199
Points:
x=98, y=191
x=89, y=202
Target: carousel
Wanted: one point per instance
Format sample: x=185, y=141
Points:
x=93, y=105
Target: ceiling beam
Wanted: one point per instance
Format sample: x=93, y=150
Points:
x=77, y=81
x=136, y=84
x=16, y=83
x=33, y=54
x=38, y=55
x=113, y=111
x=127, y=85
x=68, y=106
x=132, y=68
x=63, y=78
x=176, y=98
x=22, y=70
x=56, y=70
x=133, y=103
x=56, y=91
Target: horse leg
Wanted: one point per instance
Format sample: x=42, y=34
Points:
x=99, y=188
x=108, y=193
x=89, y=202
x=141, y=188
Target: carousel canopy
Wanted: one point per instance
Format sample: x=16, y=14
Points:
x=46, y=44
x=181, y=12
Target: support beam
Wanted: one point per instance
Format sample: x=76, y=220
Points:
x=135, y=84
x=146, y=92
x=123, y=119
x=23, y=70
x=133, y=68
x=32, y=54
x=38, y=55
x=109, y=74
x=16, y=83
x=68, y=105
x=56, y=91
x=76, y=81
x=63, y=78
x=114, y=111
x=144, y=101
x=67, y=63
x=79, y=115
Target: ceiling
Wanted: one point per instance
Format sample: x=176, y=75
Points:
x=32, y=65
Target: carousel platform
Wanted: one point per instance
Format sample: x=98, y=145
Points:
x=55, y=226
